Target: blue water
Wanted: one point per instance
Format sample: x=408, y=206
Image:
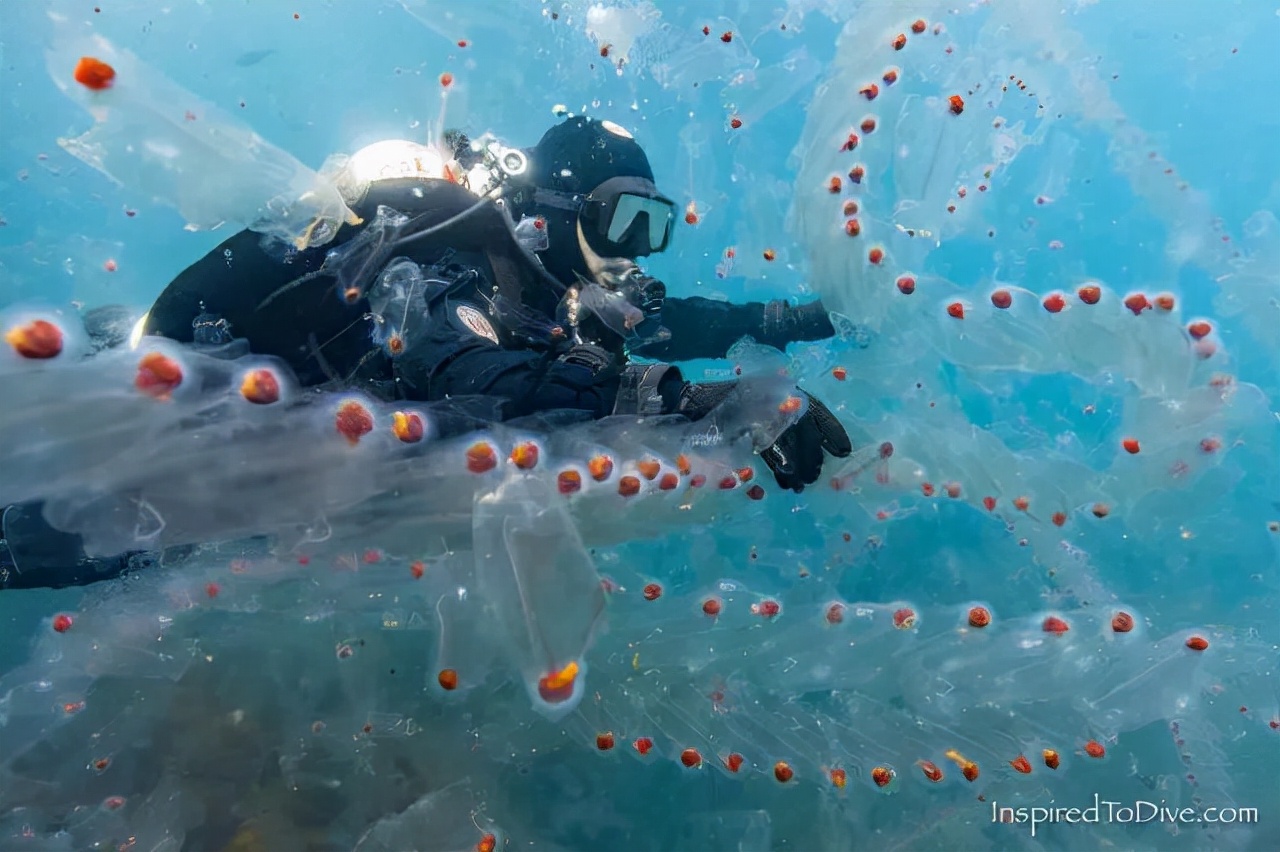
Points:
x=228, y=719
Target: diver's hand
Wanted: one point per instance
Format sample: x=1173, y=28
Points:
x=785, y=323
x=796, y=457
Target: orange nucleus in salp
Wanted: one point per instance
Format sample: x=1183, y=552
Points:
x=1131, y=446
x=407, y=426
x=38, y=340
x=569, y=482
x=767, y=608
x=899, y=41
x=649, y=468
x=1002, y=299
x=968, y=768
x=1095, y=749
x=557, y=686
x=979, y=616
x=260, y=387
x=835, y=613
x=1197, y=643
x=1051, y=758
x=907, y=286
x=839, y=778
x=353, y=421
x=668, y=482
x=1199, y=329
x=448, y=679
x=711, y=607
x=629, y=486
x=1090, y=294
x=158, y=375
x=1137, y=303
x=600, y=467
x=690, y=758
x=930, y=770
x=790, y=405
x=733, y=762
x=1121, y=622
x=525, y=455
x=643, y=745
x=1055, y=625
x=481, y=457
x=882, y=776
x=94, y=74
x=904, y=619
x=957, y=104
x=955, y=310
x=783, y=772
x=604, y=740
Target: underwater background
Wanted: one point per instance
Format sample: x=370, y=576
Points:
x=1058, y=358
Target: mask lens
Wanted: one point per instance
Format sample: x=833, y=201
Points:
x=657, y=211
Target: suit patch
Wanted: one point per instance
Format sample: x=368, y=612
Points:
x=476, y=323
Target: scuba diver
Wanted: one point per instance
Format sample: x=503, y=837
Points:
x=478, y=273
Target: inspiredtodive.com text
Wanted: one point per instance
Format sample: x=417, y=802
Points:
x=1136, y=812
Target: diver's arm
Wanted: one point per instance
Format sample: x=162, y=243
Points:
x=459, y=353
x=706, y=328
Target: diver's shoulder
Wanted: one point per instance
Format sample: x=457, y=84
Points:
x=414, y=196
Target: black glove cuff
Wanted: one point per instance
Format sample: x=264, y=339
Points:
x=697, y=401
x=640, y=389
x=585, y=355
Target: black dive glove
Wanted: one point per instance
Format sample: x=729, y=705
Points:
x=785, y=323
x=796, y=457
